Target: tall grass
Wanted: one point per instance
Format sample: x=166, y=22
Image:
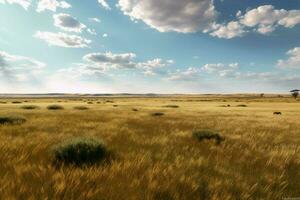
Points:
x=156, y=156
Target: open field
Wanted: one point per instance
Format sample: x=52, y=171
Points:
x=155, y=156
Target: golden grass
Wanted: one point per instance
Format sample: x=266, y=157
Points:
x=156, y=157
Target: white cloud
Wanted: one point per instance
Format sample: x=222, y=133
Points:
x=190, y=74
x=62, y=39
x=91, y=31
x=95, y=19
x=105, y=35
x=104, y=4
x=291, y=19
x=293, y=61
x=228, y=31
x=17, y=67
x=68, y=23
x=266, y=18
x=51, y=5
x=151, y=66
x=171, y=15
x=155, y=63
x=126, y=60
x=263, y=19
x=24, y=3
x=110, y=60
x=81, y=69
x=220, y=69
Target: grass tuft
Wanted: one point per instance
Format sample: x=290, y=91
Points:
x=81, y=108
x=241, y=105
x=11, y=120
x=16, y=102
x=208, y=135
x=30, y=107
x=55, y=107
x=157, y=114
x=80, y=151
x=171, y=106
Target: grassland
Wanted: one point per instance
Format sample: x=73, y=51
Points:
x=156, y=156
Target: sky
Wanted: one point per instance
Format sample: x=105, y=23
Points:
x=149, y=46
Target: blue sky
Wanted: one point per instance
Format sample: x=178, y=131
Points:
x=149, y=46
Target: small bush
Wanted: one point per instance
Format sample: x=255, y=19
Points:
x=115, y=105
x=30, y=107
x=171, y=106
x=135, y=110
x=55, y=107
x=80, y=151
x=208, y=135
x=242, y=105
x=3, y=102
x=89, y=102
x=158, y=114
x=16, y=102
x=14, y=120
x=81, y=108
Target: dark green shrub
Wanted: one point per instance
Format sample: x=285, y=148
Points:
x=81, y=108
x=208, y=135
x=158, y=114
x=171, y=106
x=80, y=151
x=242, y=105
x=14, y=120
x=16, y=102
x=30, y=107
x=55, y=107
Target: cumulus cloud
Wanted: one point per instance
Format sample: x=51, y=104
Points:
x=24, y=3
x=104, y=4
x=110, y=60
x=190, y=74
x=68, y=23
x=51, y=5
x=62, y=39
x=98, y=63
x=263, y=20
x=293, y=60
x=126, y=60
x=171, y=15
x=221, y=69
x=266, y=18
x=17, y=67
x=155, y=63
x=228, y=31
